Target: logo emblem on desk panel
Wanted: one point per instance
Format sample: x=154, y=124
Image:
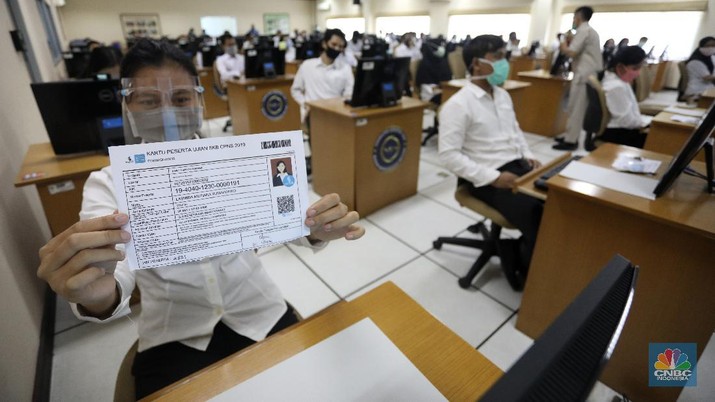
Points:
x=672, y=364
x=389, y=148
x=274, y=105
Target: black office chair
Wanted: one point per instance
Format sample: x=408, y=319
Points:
x=597, y=116
x=221, y=93
x=490, y=245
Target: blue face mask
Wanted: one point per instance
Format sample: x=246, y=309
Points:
x=501, y=71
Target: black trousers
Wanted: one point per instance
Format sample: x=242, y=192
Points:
x=521, y=210
x=155, y=368
x=624, y=136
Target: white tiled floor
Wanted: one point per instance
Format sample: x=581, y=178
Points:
x=398, y=248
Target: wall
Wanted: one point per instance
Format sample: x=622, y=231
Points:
x=22, y=224
x=100, y=18
x=546, y=14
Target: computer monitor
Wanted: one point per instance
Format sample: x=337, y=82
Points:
x=308, y=50
x=208, y=55
x=374, y=48
x=265, y=62
x=564, y=363
x=682, y=159
x=379, y=81
x=81, y=115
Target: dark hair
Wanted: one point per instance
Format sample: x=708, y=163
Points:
x=696, y=55
x=329, y=33
x=153, y=53
x=585, y=11
x=480, y=46
x=628, y=56
x=101, y=58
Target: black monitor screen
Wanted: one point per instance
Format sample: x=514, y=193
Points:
x=308, y=50
x=258, y=59
x=208, y=56
x=682, y=159
x=378, y=74
x=564, y=363
x=82, y=115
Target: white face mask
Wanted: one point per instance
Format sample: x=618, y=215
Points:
x=169, y=123
x=232, y=50
x=707, y=51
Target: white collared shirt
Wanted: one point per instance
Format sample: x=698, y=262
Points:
x=478, y=134
x=316, y=80
x=184, y=302
x=230, y=66
x=414, y=52
x=621, y=103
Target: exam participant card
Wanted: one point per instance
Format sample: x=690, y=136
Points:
x=188, y=200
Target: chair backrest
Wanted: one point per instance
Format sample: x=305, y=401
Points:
x=456, y=64
x=217, y=86
x=683, y=82
x=643, y=84
x=597, y=116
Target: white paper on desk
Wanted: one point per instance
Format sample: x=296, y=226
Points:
x=685, y=119
x=608, y=178
x=188, y=200
x=359, y=363
x=685, y=112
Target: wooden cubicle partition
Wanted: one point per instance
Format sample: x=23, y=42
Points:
x=370, y=156
x=519, y=63
x=543, y=109
x=667, y=136
x=59, y=182
x=262, y=105
x=214, y=105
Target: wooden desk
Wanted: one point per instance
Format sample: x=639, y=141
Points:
x=543, y=109
x=667, y=136
x=455, y=368
x=292, y=67
x=672, y=239
x=518, y=64
x=262, y=105
x=657, y=71
x=215, y=106
x=348, y=144
x=60, y=182
x=706, y=98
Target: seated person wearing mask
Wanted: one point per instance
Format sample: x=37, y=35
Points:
x=627, y=123
x=701, y=73
x=192, y=314
x=480, y=141
x=230, y=64
x=323, y=77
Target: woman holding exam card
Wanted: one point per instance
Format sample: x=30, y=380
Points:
x=193, y=314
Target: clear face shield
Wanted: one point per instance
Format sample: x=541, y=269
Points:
x=161, y=109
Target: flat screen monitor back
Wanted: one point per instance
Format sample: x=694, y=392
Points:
x=256, y=59
x=78, y=114
x=682, y=159
x=564, y=363
x=373, y=73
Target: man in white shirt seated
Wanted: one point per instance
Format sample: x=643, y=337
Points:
x=408, y=48
x=627, y=123
x=323, y=77
x=480, y=141
x=230, y=64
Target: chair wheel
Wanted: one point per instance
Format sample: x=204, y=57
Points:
x=464, y=283
x=437, y=245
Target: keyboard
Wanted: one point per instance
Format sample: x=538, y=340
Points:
x=541, y=184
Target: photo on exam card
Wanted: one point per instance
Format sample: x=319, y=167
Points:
x=282, y=172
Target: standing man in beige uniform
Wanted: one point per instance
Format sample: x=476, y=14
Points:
x=585, y=50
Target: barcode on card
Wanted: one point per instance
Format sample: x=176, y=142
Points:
x=285, y=204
